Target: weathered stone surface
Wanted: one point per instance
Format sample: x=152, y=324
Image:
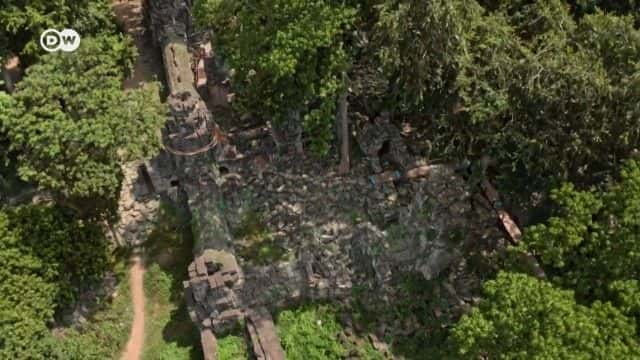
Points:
x=264, y=338
x=137, y=208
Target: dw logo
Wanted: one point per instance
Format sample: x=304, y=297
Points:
x=67, y=40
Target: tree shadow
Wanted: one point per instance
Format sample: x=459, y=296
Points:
x=182, y=331
x=170, y=248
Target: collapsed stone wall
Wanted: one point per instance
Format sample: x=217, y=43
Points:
x=336, y=240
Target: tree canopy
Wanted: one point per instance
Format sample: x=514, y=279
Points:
x=592, y=242
x=71, y=125
x=551, y=97
x=287, y=57
x=525, y=318
x=22, y=22
x=45, y=255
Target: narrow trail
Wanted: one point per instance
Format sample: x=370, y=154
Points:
x=136, y=285
x=148, y=67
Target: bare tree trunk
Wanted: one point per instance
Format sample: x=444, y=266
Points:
x=343, y=107
x=10, y=72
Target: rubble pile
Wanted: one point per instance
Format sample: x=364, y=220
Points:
x=138, y=208
x=334, y=236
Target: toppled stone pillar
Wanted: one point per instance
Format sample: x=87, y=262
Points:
x=194, y=144
x=264, y=338
x=209, y=344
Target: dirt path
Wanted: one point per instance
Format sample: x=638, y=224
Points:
x=148, y=67
x=136, y=337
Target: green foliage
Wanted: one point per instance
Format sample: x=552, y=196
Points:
x=287, y=56
x=5, y=102
x=103, y=337
x=535, y=20
x=71, y=125
x=418, y=45
x=554, y=241
x=27, y=303
x=621, y=7
x=22, y=22
x=614, y=40
x=417, y=317
x=525, y=318
x=232, y=347
x=169, y=332
x=310, y=333
x=593, y=241
x=45, y=255
x=549, y=98
x=626, y=297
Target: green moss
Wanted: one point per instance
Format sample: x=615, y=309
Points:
x=257, y=243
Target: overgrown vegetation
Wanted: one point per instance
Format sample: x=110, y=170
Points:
x=288, y=56
x=21, y=23
x=314, y=332
x=522, y=317
x=232, y=347
x=592, y=244
x=103, y=336
x=71, y=136
x=416, y=319
x=46, y=256
x=170, y=333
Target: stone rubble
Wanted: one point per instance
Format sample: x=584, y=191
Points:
x=137, y=208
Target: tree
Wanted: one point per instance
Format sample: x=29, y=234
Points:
x=22, y=22
x=620, y=7
x=71, y=125
x=287, y=56
x=525, y=318
x=343, y=126
x=27, y=301
x=45, y=254
x=419, y=43
x=551, y=99
x=592, y=241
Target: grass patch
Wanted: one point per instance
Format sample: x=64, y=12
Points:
x=232, y=347
x=314, y=332
x=169, y=332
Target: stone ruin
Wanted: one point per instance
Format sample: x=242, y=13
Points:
x=221, y=292
x=209, y=292
x=193, y=142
